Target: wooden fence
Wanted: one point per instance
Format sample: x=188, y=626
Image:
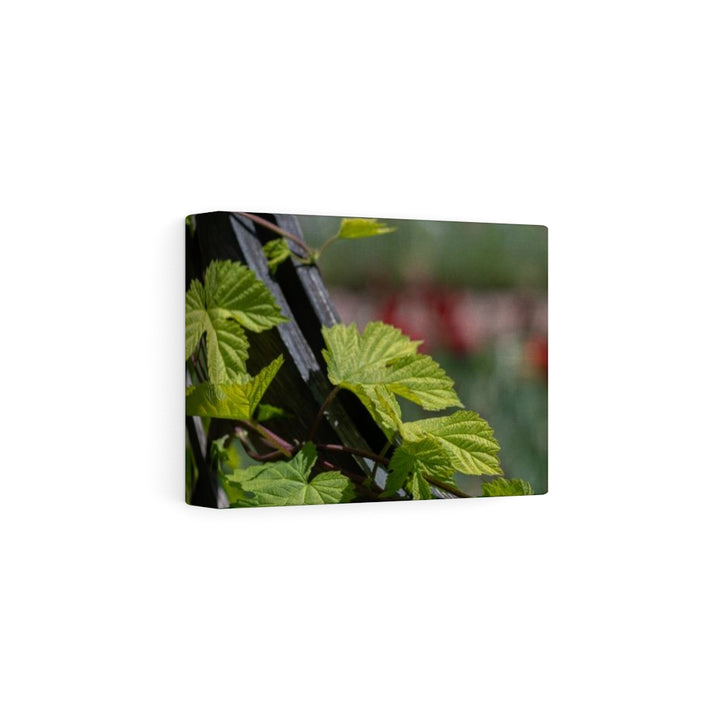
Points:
x=301, y=386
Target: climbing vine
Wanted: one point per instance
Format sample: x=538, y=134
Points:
x=378, y=365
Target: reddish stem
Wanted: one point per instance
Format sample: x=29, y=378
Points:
x=277, y=229
x=353, y=451
x=321, y=412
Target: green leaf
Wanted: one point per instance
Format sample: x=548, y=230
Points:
x=224, y=458
x=231, y=299
x=232, y=459
x=227, y=346
x=382, y=406
x=266, y=412
x=231, y=401
x=467, y=438
x=362, y=227
x=420, y=379
x=237, y=497
x=224, y=454
x=218, y=453
x=419, y=487
x=289, y=483
x=377, y=346
x=276, y=252
x=382, y=362
x=414, y=461
x=234, y=291
x=502, y=486
x=327, y=488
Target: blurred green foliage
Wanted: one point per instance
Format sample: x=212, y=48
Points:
x=473, y=255
x=516, y=406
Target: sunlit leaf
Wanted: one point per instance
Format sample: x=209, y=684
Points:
x=231, y=401
x=381, y=362
x=362, y=227
x=467, y=438
x=289, y=483
x=232, y=298
x=413, y=463
x=266, y=412
x=276, y=252
x=502, y=486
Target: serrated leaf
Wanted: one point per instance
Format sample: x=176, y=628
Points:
x=414, y=461
x=326, y=488
x=233, y=290
x=276, y=252
x=362, y=227
x=231, y=299
x=502, y=486
x=227, y=351
x=421, y=380
x=465, y=436
x=231, y=401
x=381, y=362
x=236, y=496
x=378, y=346
x=289, y=483
x=227, y=346
x=419, y=488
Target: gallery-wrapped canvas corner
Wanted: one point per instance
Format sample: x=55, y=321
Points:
x=332, y=360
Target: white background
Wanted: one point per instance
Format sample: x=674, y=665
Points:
x=598, y=600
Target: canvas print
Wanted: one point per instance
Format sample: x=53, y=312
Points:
x=353, y=360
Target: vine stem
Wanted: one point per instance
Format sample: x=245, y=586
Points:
x=283, y=446
x=356, y=477
x=276, y=228
x=353, y=451
x=254, y=455
x=327, y=244
x=383, y=452
x=321, y=412
x=371, y=491
x=286, y=449
x=449, y=488
x=380, y=460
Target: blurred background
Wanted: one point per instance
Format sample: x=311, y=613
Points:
x=476, y=294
